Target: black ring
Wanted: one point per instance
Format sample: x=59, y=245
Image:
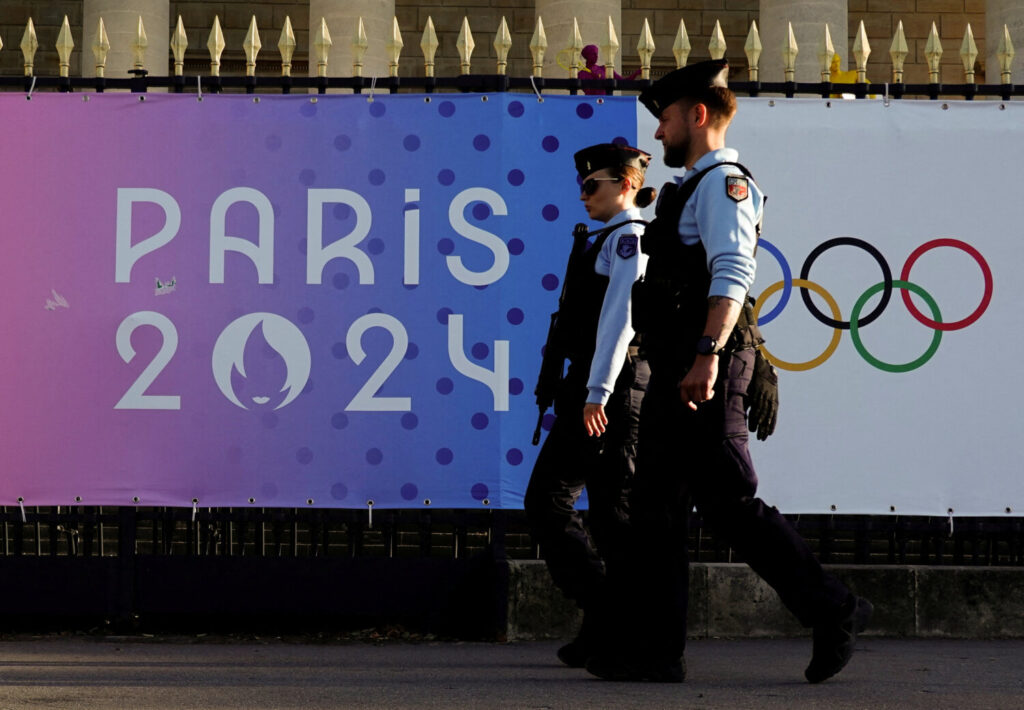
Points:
x=805, y=270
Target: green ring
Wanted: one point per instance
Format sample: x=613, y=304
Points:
x=871, y=359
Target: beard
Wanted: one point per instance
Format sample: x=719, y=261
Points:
x=675, y=155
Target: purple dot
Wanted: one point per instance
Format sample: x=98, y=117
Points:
x=308, y=388
x=342, y=142
x=446, y=177
x=516, y=177
x=480, y=421
x=339, y=491
x=550, y=213
x=584, y=110
x=273, y=142
x=374, y=457
x=339, y=351
x=341, y=281
x=339, y=420
x=375, y=246
x=304, y=455
x=480, y=351
x=479, y=491
x=547, y=422
x=515, y=316
x=307, y=177
x=446, y=109
x=342, y=212
x=442, y=315
x=549, y=282
x=411, y=143
x=481, y=142
x=619, y=140
x=374, y=309
x=410, y=421
x=444, y=456
x=306, y=315
x=377, y=109
x=481, y=211
x=550, y=144
x=376, y=177
x=445, y=385
x=515, y=386
x=514, y=457
x=445, y=246
x=515, y=246
x=269, y=420
x=412, y=352
x=515, y=109
x=409, y=491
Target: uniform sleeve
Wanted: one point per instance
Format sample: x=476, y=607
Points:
x=615, y=326
x=728, y=230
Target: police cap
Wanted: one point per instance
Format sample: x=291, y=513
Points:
x=610, y=155
x=692, y=81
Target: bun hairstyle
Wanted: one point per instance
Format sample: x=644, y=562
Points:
x=645, y=196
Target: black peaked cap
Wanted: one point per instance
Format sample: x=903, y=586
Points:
x=692, y=80
x=610, y=155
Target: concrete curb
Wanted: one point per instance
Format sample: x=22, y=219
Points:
x=729, y=600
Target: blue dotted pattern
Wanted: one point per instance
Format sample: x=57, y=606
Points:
x=452, y=448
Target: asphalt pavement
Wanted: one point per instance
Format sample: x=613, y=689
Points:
x=140, y=673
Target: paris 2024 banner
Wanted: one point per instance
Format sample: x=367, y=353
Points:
x=341, y=301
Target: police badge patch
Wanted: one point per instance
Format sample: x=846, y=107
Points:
x=736, y=187
x=627, y=246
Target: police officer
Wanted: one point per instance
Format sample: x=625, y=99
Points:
x=693, y=438
x=596, y=305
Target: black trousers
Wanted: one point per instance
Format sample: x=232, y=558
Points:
x=700, y=458
x=570, y=460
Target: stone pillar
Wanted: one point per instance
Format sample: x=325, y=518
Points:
x=121, y=20
x=592, y=18
x=808, y=18
x=342, y=20
x=997, y=14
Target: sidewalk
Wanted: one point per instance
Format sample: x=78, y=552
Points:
x=87, y=673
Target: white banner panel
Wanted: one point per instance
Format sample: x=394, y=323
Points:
x=917, y=407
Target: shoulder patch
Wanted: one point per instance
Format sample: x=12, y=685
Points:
x=626, y=248
x=737, y=188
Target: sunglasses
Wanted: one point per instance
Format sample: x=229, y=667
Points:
x=589, y=187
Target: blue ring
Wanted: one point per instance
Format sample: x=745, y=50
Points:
x=787, y=282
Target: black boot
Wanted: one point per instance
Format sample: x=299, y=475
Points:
x=834, y=641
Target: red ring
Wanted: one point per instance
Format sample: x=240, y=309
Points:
x=986, y=272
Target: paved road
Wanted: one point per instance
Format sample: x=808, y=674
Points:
x=89, y=673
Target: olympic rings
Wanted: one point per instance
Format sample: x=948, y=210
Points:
x=871, y=359
x=805, y=272
x=986, y=272
x=787, y=281
x=836, y=335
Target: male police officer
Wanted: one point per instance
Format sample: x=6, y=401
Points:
x=693, y=433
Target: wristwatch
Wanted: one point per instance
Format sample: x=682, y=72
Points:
x=707, y=346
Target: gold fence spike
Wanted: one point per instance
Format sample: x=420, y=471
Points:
x=322, y=44
x=29, y=45
x=933, y=53
x=1005, y=55
x=898, y=53
x=861, y=52
x=538, y=46
x=1, y=42
x=429, y=45
x=394, y=48
x=215, y=44
x=789, y=52
x=179, y=43
x=826, y=51
x=645, y=48
x=286, y=45
x=139, y=46
x=360, y=43
x=252, y=46
x=968, y=54
x=609, y=48
x=575, y=48
x=100, y=47
x=65, y=43
x=681, y=48
x=716, y=45
x=502, y=45
x=752, y=49
x=465, y=45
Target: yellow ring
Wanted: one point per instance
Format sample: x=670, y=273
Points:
x=836, y=332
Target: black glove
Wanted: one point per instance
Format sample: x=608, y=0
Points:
x=763, y=397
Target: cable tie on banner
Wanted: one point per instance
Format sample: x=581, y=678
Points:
x=885, y=98
x=199, y=87
x=951, y=522
x=31, y=88
x=369, y=508
x=373, y=85
x=21, y=504
x=195, y=508
x=534, y=85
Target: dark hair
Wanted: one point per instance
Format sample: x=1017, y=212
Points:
x=644, y=195
x=720, y=102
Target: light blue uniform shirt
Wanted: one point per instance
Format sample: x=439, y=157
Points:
x=615, y=327
x=727, y=228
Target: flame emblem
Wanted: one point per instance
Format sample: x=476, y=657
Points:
x=281, y=335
